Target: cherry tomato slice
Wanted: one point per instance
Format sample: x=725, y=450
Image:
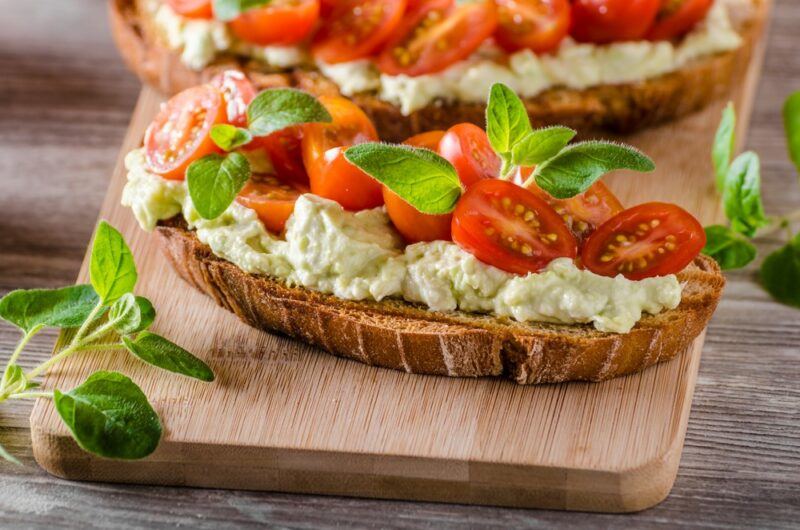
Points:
x=179, y=134
x=192, y=8
x=677, y=17
x=604, y=21
x=652, y=239
x=435, y=35
x=510, y=228
x=272, y=199
x=467, y=147
x=280, y=22
x=285, y=151
x=238, y=92
x=539, y=25
x=356, y=28
x=330, y=174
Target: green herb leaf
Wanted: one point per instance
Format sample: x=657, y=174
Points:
x=14, y=380
x=226, y=10
x=722, y=150
x=419, y=176
x=125, y=314
x=741, y=194
x=278, y=108
x=215, y=180
x=578, y=166
x=507, y=121
x=5, y=455
x=791, y=124
x=780, y=273
x=112, y=270
x=730, y=249
x=229, y=137
x=541, y=145
x=158, y=351
x=62, y=308
x=110, y=416
x=147, y=312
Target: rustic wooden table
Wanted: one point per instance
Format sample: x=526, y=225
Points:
x=65, y=102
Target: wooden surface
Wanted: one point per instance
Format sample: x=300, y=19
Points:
x=741, y=462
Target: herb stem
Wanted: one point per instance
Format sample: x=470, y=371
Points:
x=101, y=347
x=86, y=323
x=783, y=222
x=17, y=351
x=30, y=395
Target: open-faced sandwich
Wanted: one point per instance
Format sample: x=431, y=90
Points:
x=419, y=65
x=462, y=252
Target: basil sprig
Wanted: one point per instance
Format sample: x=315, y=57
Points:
x=108, y=414
x=226, y=10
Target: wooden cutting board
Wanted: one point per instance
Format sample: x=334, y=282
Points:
x=284, y=416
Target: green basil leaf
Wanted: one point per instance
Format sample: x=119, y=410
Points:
x=541, y=145
x=507, y=120
x=730, y=249
x=741, y=195
x=147, y=312
x=578, y=166
x=780, y=273
x=112, y=270
x=110, y=416
x=419, y=176
x=5, y=455
x=125, y=314
x=724, y=144
x=791, y=124
x=158, y=351
x=228, y=137
x=215, y=180
x=62, y=308
x=278, y=108
x=226, y=10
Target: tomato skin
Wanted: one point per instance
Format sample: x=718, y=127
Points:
x=467, y=147
x=673, y=21
x=510, y=228
x=285, y=151
x=192, y=8
x=281, y=22
x=659, y=239
x=436, y=34
x=341, y=181
x=238, y=92
x=539, y=25
x=271, y=199
x=179, y=134
x=604, y=21
x=356, y=28
x=428, y=140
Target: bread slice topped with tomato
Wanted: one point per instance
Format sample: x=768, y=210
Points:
x=460, y=252
x=420, y=65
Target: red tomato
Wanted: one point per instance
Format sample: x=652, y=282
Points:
x=238, y=92
x=285, y=152
x=467, y=147
x=192, y=8
x=428, y=140
x=330, y=174
x=356, y=28
x=653, y=239
x=604, y=21
x=539, y=25
x=279, y=22
x=677, y=17
x=436, y=34
x=179, y=134
x=510, y=228
x=271, y=199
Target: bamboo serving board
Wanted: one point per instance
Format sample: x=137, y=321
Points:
x=284, y=416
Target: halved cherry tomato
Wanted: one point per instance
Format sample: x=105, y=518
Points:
x=285, y=151
x=510, y=228
x=356, y=28
x=467, y=147
x=279, y=22
x=179, y=134
x=677, y=17
x=192, y=8
x=653, y=239
x=330, y=174
x=272, y=199
x=436, y=34
x=539, y=25
x=238, y=92
x=604, y=21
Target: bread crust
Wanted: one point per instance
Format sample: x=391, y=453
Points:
x=402, y=336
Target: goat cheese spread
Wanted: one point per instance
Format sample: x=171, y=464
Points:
x=359, y=256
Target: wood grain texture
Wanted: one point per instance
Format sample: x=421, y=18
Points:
x=740, y=463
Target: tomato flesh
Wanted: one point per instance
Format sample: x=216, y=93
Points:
x=285, y=151
x=179, y=134
x=356, y=28
x=539, y=25
x=652, y=239
x=238, y=92
x=436, y=34
x=510, y=228
x=280, y=22
x=192, y=8
x=604, y=21
x=271, y=199
x=467, y=147
x=677, y=17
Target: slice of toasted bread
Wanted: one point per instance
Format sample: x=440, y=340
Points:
x=403, y=336
x=620, y=108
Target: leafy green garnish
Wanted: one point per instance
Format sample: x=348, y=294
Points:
x=158, y=351
x=791, y=124
x=227, y=10
x=215, y=180
x=507, y=120
x=112, y=270
x=62, y=308
x=780, y=273
x=541, y=145
x=730, y=249
x=741, y=195
x=229, y=137
x=125, y=314
x=724, y=142
x=278, y=108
